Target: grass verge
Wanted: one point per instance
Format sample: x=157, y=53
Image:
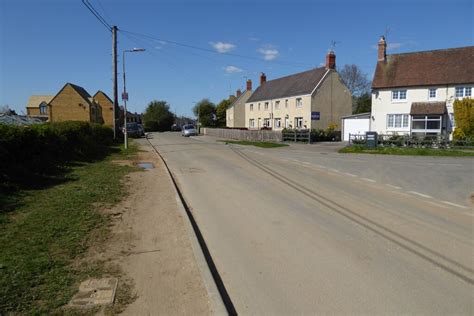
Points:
x=254, y=143
x=359, y=149
x=46, y=229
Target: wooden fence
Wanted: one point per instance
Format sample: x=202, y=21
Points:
x=254, y=135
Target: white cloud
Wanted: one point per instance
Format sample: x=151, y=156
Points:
x=222, y=47
x=269, y=52
x=232, y=69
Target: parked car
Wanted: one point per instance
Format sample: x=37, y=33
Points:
x=142, y=130
x=189, y=130
x=134, y=130
x=175, y=128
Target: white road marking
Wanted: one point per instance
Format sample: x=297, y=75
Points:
x=420, y=194
x=454, y=204
x=368, y=180
x=350, y=174
x=393, y=186
x=438, y=204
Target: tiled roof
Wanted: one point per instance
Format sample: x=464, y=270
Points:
x=427, y=108
x=437, y=67
x=298, y=84
x=35, y=100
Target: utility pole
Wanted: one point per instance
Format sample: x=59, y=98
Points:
x=115, y=84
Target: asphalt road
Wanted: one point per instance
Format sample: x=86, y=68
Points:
x=304, y=230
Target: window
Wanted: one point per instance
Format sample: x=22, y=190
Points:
x=252, y=123
x=266, y=106
x=432, y=93
x=299, y=103
x=286, y=104
x=399, y=95
x=266, y=122
x=426, y=124
x=259, y=106
x=43, y=108
x=277, y=105
x=397, y=120
x=298, y=122
x=463, y=92
x=278, y=123
x=251, y=107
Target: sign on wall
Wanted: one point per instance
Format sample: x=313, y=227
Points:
x=315, y=116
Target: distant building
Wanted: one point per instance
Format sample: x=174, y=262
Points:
x=315, y=98
x=235, y=114
x=107, y=106
x=413, y=93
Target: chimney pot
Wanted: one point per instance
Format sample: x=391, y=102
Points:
x=263, y=78
x=330, y=60
x=249, y=85
x=382, y=53
x=238, y=93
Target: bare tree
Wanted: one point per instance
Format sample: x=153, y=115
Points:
x=355, y=80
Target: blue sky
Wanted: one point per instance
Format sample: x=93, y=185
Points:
x=44, y=44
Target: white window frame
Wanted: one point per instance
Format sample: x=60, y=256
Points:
x=299, y=103
x=266, y=106
x=251, y=122
x=251, y=107
x=266, y=122
x=259, y=106
x=432, y=93
x=426, y=119
x=402, y=120
x=278, y=122
x=277, y=105
x=397, y=95
x=299, y=122
x=465, y=92
x=43, y=108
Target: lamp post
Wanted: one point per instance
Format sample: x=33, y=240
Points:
x=125, y=95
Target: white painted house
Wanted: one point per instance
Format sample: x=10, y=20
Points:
x=413, y=93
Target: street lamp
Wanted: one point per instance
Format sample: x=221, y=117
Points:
x=125, y=95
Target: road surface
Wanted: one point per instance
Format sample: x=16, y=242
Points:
x=304, y=230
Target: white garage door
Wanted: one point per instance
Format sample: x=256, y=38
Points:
x=355, y=126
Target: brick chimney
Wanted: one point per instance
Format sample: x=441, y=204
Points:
x=238, y=93
x=249, y=85
x=382, y=55
x=331, y=60
x=263, y=78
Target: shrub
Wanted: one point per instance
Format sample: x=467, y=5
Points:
x=26, y=152
x=464, y=118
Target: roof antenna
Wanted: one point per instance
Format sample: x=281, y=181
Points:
x=333, y=45
x=387, y=30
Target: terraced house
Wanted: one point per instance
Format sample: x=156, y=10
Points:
x=413, y=93
x=316, y=98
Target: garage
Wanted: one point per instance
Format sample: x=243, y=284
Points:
x=355, y=124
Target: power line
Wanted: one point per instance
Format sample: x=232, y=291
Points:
x=287, y=63
x=89, y=6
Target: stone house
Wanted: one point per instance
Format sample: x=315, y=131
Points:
x=235, y=114
x=314, y=99
x=38, y=106
x=107, y=106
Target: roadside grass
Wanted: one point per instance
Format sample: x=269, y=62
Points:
x=46, y=229
x=360, y=149
x=254, y=143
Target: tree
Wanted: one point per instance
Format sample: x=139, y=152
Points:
x=5, y=109
x=464, y=118
x=355, y=80
x=221, y=111
x=158, y=116
x=363, y=103
x=205, y=110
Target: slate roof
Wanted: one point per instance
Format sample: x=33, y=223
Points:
x=426, y=68
x=35, y=100
x=104, y=94
x=82, y=92
x=19, y=120
x=427, y=108
x=298, y=84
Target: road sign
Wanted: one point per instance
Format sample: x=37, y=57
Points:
x=124, y=96
x=315, y=116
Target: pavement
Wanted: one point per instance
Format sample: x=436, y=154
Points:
x=305, y=230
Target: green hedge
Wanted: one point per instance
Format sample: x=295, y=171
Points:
x=26, y=152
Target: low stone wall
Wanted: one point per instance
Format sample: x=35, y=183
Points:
x=257, y=135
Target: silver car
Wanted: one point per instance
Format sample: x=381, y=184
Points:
x=188, y=130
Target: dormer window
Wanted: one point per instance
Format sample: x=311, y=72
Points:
x=43, y=108
x=399, y=95
x=432, y=93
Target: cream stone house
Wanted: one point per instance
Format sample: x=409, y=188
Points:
x=413, y=93
x=235, y=114
x=316, y=98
